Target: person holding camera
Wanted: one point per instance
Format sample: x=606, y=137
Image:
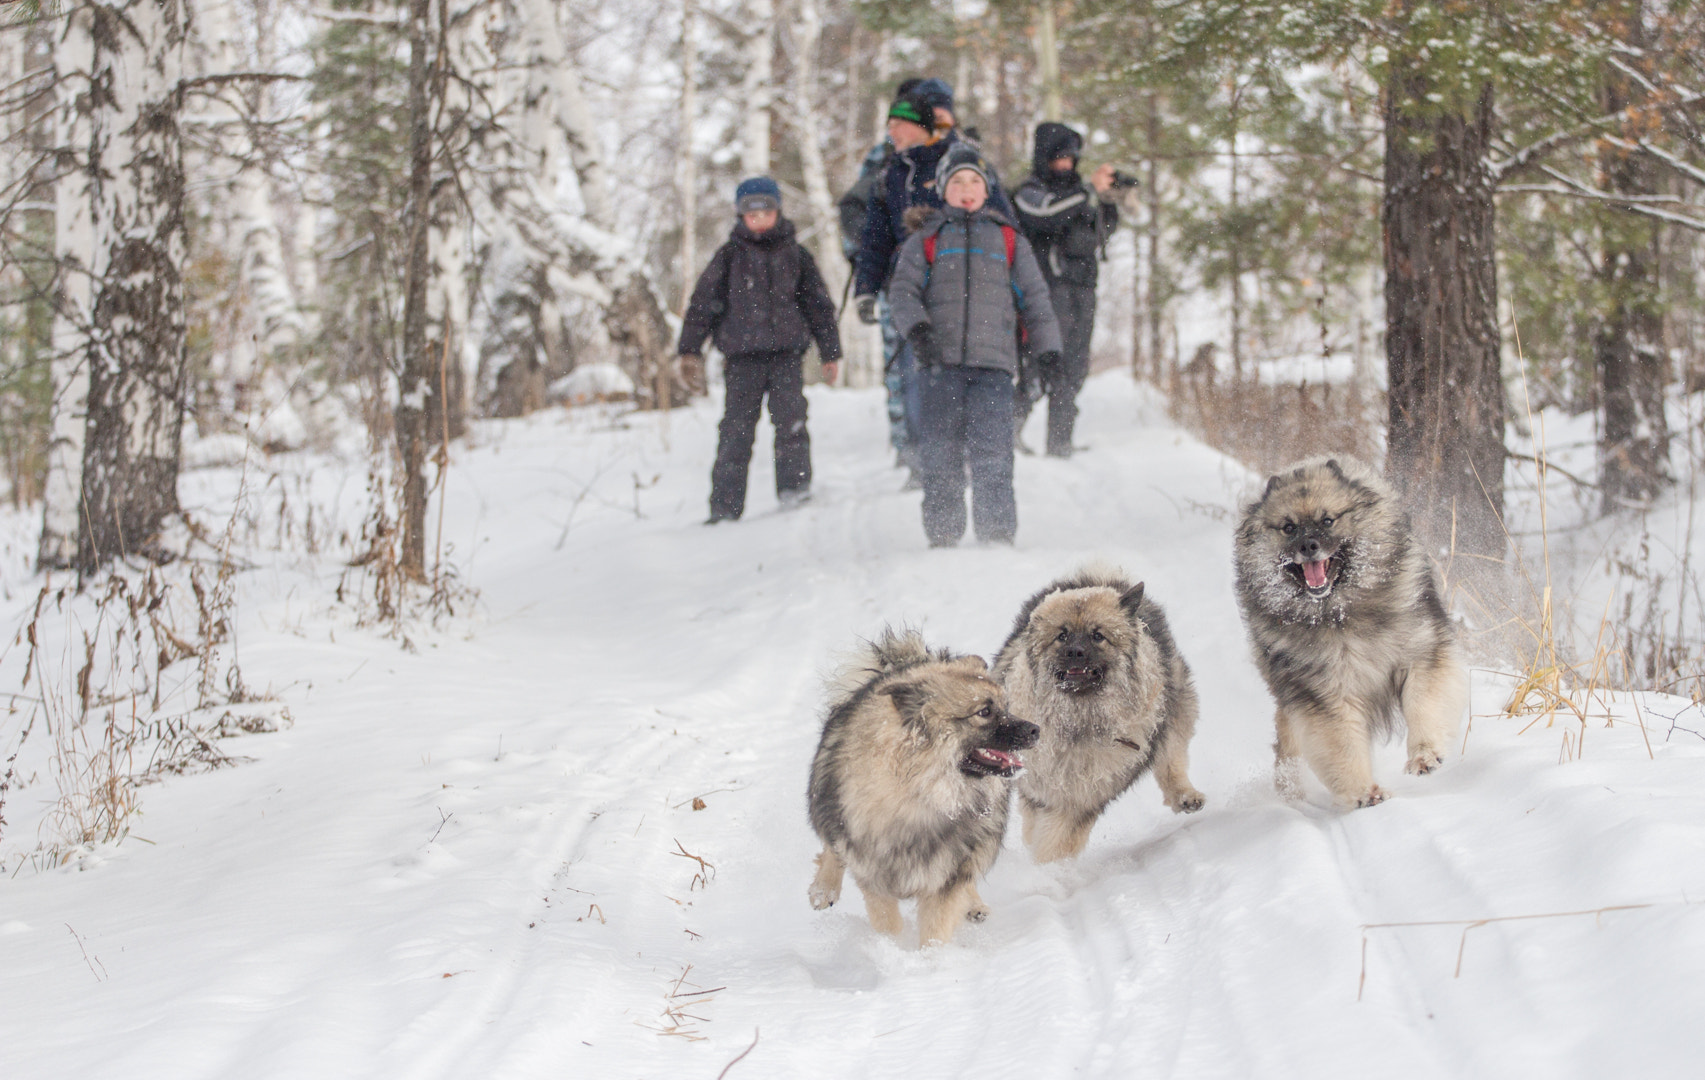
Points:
x=1067, y=222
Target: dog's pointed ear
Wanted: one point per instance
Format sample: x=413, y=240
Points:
x=1337, y=470
x=909, y=698
x=1132, y=599
x=1272, y=482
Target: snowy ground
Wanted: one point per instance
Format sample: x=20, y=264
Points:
x=480, y=859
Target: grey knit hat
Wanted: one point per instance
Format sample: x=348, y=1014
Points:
x=963, y=156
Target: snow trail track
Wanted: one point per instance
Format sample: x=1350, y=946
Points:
x=468, y=861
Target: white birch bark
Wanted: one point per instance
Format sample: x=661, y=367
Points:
x=450, y=236
x=806, y=118
x=80, y=262
x=687, y=174
x=757, y=89
x=121, y=344
x=588, y=255
x=248, y=210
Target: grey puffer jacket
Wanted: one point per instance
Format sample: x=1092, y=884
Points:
x=969, y=295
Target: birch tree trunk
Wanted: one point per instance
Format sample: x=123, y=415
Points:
x=119, y=328
x=758, y=89
x=806, y=118
x=687, y=164
x=1445, y=435
x=449, y=236
x=606, y=267
x=1048, y=60
x=249, y=214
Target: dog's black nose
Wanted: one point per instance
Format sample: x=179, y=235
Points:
x=1018, y=734
x=1075, y=652
x=1309, y=548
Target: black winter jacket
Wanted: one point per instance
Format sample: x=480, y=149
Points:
x=761, y=293
x=1064, y=220
x=907, y=180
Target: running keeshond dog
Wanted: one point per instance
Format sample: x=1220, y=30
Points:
x=1347, y=624
x=912, y=783
x=1092, y=661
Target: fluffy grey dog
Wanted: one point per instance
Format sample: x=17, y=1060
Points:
x=1347, y=624
x=1092, y=661
x=911, y=784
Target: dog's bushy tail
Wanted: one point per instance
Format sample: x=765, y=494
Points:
x=892, y=650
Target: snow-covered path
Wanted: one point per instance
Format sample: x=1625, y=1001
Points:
x=476, y=860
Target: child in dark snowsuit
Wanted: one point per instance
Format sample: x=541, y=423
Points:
x=963, y=282
x=763, y=299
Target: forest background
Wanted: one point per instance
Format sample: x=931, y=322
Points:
x=285, y=222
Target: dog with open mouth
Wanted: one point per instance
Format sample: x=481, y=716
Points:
x=1091, y=659
x=912, y=783
x=1348, y=626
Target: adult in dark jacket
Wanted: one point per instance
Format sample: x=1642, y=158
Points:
x=958, y=293
x=920, y=134
x=762, y=299
x=1066, y=220
x=908, y=180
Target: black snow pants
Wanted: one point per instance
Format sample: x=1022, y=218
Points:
x=965, y=418
x=1074, y=307
x=748, y=378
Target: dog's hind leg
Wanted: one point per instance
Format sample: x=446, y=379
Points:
x=884, y=912
x=1054, y=834
x=939, y=914
x=1171, y=764
x=1434, y=697
x=826, y=886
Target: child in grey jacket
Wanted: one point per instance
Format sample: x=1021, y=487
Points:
x=964, y=283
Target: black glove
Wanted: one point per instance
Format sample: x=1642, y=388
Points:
x=1048, y=371
x=867, y=309
x=925, y=349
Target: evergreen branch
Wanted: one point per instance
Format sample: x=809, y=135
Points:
x=1553, y=189
x=1574, y=189
x=1527, y=155
x=1692, y=172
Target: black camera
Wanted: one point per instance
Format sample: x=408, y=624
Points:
x=1123, y=181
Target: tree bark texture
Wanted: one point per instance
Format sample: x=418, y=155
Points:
x=1445, y=437
x=757, y=87
x=119, y=380
x=450, y=233
x=417, y=383
x=1633, y=443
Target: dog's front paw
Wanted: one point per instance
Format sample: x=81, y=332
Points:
x=1187, y=802
x=823, y=896
x=1423, y=761
x=977, y=913
x=1375, y=795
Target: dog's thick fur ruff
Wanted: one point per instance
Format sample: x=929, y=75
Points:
x=1091, y=660
x=911, y=785
x=1347, y=624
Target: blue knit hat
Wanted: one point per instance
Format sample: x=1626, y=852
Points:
x=757, y=193
x=936, y=92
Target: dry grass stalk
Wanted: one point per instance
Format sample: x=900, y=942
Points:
x=1470, y=924
x=122, y=633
